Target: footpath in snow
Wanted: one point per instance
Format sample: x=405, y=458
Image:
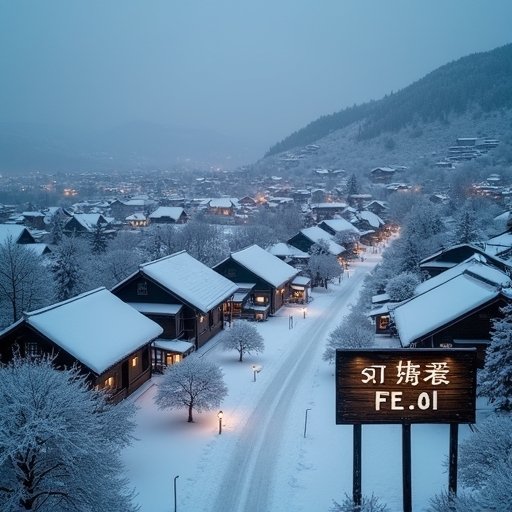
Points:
x=262, y=461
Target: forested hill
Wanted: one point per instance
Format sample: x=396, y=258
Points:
x=481, y=80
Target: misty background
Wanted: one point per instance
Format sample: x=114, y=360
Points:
x=97, y=84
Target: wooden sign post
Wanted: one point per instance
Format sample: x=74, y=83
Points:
x=405, y=386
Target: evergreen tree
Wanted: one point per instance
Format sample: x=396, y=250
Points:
x=466, y=227
x=99, y=240
x=352, y=185
x=496, y=376
x=68, y=268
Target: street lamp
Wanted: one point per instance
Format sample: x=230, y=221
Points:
x=176, y=477
x=306, y=422
x=254, y=372
x=220, y=416
x=304, y=312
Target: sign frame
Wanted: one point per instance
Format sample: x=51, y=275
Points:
x=403, y=386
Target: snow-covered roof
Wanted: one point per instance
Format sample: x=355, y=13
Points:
x=38, y=249
x=265, y=265
x=334, y=206
x=498, y=244
x=156, y=308
x=13, y=231
x=96, y=328
x=340, y=225
x=190, y=280
x=136, y=216
x=89, y=220
x=287, y=250
x=301, y=281
x=223, y=202
x=425, y=313
x=476, y=265
x=316, y=234
x=374, y=220
x=174, y=212
x=178, y=346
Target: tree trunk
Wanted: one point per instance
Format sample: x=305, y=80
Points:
x=190, y=418
x=241, y=352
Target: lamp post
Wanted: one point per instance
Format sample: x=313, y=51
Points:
x=220, y=415
x=304, y=312
x=306, y=422
x=254, y=372
x=175, y=478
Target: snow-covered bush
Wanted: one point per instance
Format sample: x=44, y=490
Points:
x=355, y=331
x=368, y=504
x=496, y=377
x=244, y=338
x=195, y=383
x=60, y=441
x=445, y=502
x=402, y=286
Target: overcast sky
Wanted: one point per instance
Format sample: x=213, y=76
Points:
x=258, y=69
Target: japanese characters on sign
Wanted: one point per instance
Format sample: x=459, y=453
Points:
x=405, y=386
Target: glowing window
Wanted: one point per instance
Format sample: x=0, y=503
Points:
x=135, y=360
x=260, y=299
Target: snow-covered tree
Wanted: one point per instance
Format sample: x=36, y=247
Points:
x=68, y=267
x=99, y=240
x=204, y=242
x=496, y=377
x=355, y=331
x=60, y=442
x=244, y=338
x=446, y=502
x=115, y=265
x=352, y=185
x=25, y=282
x=402, y=286
x=368, y=504
x=195, y=383
x=322, y=265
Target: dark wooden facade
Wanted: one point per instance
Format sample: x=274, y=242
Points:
x=120, y=380
x=470, y=330
x=189, y=324
x=263, y=293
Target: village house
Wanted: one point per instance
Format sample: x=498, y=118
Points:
x=120, y=209
x=223, y=207
x=107, y=339
x=271, y=279
x=18, y=234
x=168, y=215
x=382, y=174
x=86, y=223
x=454, y=309
x=323, y=211
x=137, y=220
x=290, y=254
x=307, y=237
x=184, y=296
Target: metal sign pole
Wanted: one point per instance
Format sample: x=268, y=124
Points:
x=406, y=466
x=452, y=469
x=356, y=478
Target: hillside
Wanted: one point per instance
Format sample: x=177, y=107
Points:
x=477, y=86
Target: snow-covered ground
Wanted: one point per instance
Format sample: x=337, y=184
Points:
x=262, y=461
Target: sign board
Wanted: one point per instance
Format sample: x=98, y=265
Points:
x=405, y=386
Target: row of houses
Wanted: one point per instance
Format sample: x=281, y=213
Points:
x=161, y=313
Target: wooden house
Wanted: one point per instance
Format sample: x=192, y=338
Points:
x=314, y=235
x=168, y=215
x=18, y=234
x=106, y=338
x=455, y=254
x=323, y=211
x=382, y=174
x=184, y=296
x=85, y=223
x=271, y=277
x=454, y=310
x=224, y=207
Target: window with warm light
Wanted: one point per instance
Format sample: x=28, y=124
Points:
x=109, y=383
x=135, y=360
x=260, y=299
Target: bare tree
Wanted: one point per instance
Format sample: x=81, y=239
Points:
x=244, y=338
x=25, y=282
x=195, y=383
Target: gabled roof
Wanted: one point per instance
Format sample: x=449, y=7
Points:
x=340, y=225
x=316, y=234
x=476, y=265
x=90, y=221
x=374, y=220
x=174, y=212
x=265, y=265
x=287, y=250
x=13, y=231
x=189, y=279
x=96, y=328
x=438, y=307
x=499, y=244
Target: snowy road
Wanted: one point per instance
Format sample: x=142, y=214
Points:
x=250, y=475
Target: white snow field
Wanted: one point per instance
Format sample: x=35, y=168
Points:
x=262, y=461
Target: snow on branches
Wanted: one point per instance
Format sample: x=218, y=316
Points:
x=244, y=338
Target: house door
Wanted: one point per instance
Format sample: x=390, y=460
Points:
x=124, y=375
